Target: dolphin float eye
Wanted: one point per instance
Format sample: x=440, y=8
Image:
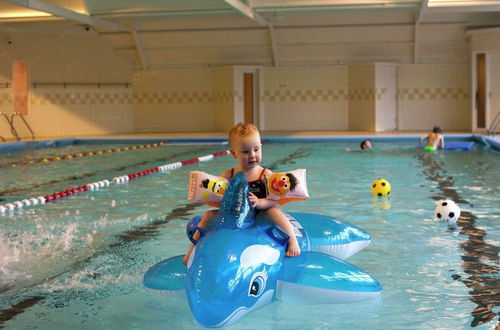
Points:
x=257, y=284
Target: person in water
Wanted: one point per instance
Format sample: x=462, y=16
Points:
x=435, y=140
x=246, y=147
x=365, y=145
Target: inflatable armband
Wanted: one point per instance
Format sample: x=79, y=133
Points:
x=206, y=188
x=283, y=187
x=289, y=186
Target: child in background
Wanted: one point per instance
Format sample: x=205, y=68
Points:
x=434, y=140
x=365, y=145
x=246, y=147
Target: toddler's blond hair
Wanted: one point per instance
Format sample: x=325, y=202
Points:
x=241, y=130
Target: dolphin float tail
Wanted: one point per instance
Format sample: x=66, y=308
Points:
x=167, y=275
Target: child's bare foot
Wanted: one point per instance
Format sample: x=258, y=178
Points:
x=293, y=248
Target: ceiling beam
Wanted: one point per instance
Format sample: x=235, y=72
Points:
x=45, y=7
x=463, y=8
x=423, y=8
x=248, y=12
x=485, y=30
x=342, y=7
x=259, y=19
x=274, y=49
x=143, y=61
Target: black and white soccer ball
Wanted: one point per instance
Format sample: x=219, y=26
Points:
x=447, y=210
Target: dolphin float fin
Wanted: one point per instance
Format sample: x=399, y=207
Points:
x=317, y=278
x=167, y=275
x=235, y=210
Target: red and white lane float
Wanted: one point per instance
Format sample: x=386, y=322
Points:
x=97, y=185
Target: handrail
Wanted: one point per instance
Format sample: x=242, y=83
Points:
x=494, y=125
x=11, y=124
x=25, y=123
x=96, y=84
x=69, y=84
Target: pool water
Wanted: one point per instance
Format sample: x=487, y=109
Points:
x=78, y=263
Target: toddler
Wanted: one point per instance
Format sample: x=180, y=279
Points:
x=246, y=147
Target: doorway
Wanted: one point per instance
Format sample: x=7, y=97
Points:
x=481, y=90
x=248, y=97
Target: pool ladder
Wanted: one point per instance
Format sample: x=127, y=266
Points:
x=494, y=125
x=13, y=128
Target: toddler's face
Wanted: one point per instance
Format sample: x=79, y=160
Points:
x=247, y=150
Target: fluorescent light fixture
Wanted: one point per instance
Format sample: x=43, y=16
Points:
x=24, y=14
x=462, y=3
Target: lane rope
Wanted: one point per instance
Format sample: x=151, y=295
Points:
x=97, y=185
x=81, y=154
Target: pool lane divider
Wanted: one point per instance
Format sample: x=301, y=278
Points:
x=95, y=186
x=81, y=154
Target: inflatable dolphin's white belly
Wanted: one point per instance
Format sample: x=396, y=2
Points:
x=235, y=269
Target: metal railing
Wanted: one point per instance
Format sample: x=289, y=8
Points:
x=13, y=130
x=494, y=124
x=25, y=123
x=72, y=84
x=11, y=124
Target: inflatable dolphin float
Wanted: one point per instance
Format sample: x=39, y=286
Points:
x=240, y=265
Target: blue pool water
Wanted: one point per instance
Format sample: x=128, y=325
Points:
x=78, y=263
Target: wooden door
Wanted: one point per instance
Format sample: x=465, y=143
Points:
x=248, y=97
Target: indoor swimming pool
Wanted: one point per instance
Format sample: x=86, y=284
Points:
x=78, y=262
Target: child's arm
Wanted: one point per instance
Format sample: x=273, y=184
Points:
x=421, y=140
x=261, y=203
x=441, y=141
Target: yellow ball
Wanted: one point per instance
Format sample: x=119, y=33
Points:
x=381, y=187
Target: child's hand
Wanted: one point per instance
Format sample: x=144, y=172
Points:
x=254, y=200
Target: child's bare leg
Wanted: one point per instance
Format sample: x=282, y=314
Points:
x=204, y=221
x=278, y=218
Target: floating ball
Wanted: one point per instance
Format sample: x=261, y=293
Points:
x=381, y=187
x=447, y=210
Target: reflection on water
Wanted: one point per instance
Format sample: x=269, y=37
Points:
x=482, y=278
x=381, y=203
x=421, y=266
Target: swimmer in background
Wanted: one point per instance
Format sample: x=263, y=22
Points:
x=365, y=145
x=434, y=140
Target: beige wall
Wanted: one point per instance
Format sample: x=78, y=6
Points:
x=332, y=95
x=385, y=98
x=224, y=97
x=174, y=101
x=434, y=94
x=362, y=96
x=303, y=98
x=72, y=56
